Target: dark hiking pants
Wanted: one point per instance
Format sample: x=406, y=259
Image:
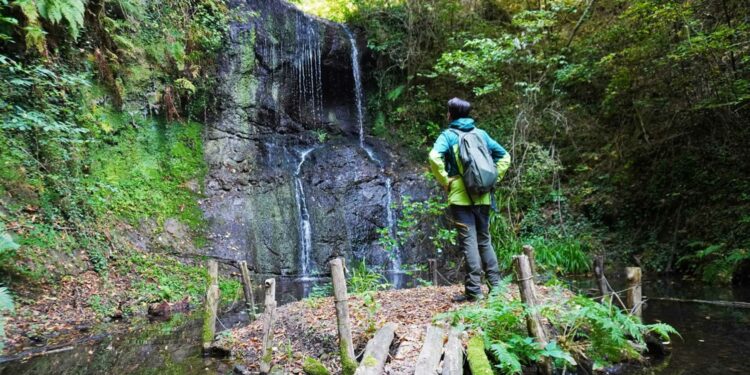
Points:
x=473, y=226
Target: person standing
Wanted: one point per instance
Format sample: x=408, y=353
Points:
x=469, y=212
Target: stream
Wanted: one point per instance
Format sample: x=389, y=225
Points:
x=161, y=347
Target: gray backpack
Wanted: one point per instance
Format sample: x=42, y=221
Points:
x=479, y=170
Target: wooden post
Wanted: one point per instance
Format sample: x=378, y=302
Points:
x=528, y=250
x=453, y=360
x=432, y=349
x=599, y=279
x=269, y=317
x=341, y=299
x=634, y=295
x=433, y=271
x=247, y=287
x=525, y=282
x=376, y=351
x=212, y=304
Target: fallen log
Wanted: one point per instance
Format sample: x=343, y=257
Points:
x=376, y=351
x=742, y=305
x=268, y=322
x=341, y=299
x=479, y=364
x=453, y=359
x=432, y=350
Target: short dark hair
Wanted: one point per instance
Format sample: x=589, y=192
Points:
x=458, y=108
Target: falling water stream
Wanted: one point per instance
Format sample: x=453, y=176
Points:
x=305, y=229
x=359, y=98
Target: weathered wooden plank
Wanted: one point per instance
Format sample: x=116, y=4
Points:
x=453, y=357
x=376, y=351
x=269, y=318
x=432, y=349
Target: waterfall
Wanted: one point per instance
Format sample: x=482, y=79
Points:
x=359, y=98
x=358, y=91
x=309, y=69
x=305, y=230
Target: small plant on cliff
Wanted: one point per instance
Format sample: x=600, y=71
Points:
x=420, y=222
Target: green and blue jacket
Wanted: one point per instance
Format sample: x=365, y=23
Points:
x=447, y=169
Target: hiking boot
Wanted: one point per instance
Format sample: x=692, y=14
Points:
x=459, y=298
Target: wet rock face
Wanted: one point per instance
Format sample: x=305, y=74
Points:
x=287, y=80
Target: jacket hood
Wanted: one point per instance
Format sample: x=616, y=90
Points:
x=463, y=124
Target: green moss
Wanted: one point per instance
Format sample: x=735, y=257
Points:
x=208, y=327
x=348, y=364
x=477, y=358
x=312, y=366
x=148, y=173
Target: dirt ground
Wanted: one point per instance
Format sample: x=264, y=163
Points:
x=308, y=328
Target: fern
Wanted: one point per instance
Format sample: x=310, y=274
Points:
x=663, y=330
x=6, y=301
x=509, y=362
x=69, y=10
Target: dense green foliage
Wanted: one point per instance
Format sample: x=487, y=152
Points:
x=100, y=141
x=584, y=328
x=626, y=119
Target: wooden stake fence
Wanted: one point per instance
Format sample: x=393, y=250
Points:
x=269, y=318
x=525, y=280
x=341, y=299
x=247, y=287
x=634, y=294
x=212, y=304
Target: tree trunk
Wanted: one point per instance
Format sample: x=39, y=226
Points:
x=432, y=350
x=433, y=271
x=376, y=352
x=269, y=318
x=341, y=299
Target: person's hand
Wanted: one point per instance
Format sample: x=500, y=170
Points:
x=450, y=182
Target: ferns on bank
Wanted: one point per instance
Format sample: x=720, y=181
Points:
x=584, y=327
